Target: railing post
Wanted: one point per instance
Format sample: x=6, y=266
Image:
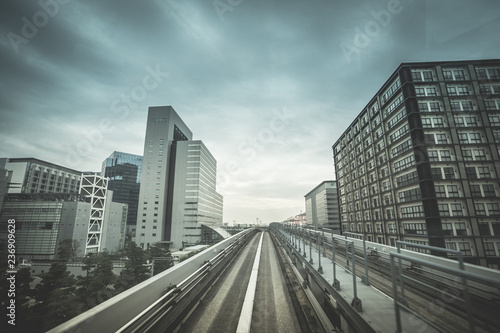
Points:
x=324, y=247
x=320, y=269
x=346, y=254
x=395, y=294
x=336, y=283
x=367, y=281
x=304, y=241
x=311, y=261
x=356, y=302
x=470, y=317
x=401, y=282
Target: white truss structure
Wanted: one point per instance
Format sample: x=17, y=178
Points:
x=94, y=188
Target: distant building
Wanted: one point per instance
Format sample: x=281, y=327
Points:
x=420, y=163
x=39, y=219
x=124, y=179
x=322, y=206
x=196, y=202
x=31, y=175
x=300, y=219
x=177, y=191
x=43, y=220
x=5, y=177
x=115, y=225
x=83, y=211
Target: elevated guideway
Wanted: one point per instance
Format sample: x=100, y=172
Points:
x=285, y=279
x=393, y=289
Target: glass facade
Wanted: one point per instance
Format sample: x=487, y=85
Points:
x=124, y=179
x=37, y=227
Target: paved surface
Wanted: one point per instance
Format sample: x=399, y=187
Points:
x=377, y=308
x=220, y=310
x=273, y=310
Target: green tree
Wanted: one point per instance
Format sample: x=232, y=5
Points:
x=56, y=301
x=94, y=288
x=135, y=270
x=69, y=249
x=160, y=264
x=56, y=278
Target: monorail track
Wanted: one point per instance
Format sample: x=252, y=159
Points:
x=212, y=299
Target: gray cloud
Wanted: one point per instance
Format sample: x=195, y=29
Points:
x=228, y=73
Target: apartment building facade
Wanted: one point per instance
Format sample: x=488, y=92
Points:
x=420, y=163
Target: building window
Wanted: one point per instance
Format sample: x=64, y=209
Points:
x=449, y=173
x=453, y=191
x=410, y=195
x=489, y=249
x=426, y=122
x=494, y=120
x=422, y=75
x=404, y=163
x=429, y=107
x=453, y=75
x=496, y=136
x=451, y=246
x=479, y=154
x=436, y=173
x=461, y=106
x=484, y=229
x=496, y=228
x=475, y=191
x=493, y=209
x=464, y=247
x=489, y=191
x=480, y=210
x=412, y=211
x=433, y=155
x=444, y=210
x=445, y=155
x=407, y=179
x=440, y=191
x=467, y=155
x=475, y=138
x=484, y=172
x=487, y=73
x=447, y=229
x=415, y=228
x=441, y=139
x=456, y=209
x=492, y=104
x=471, y=121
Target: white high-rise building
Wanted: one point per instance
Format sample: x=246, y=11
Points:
x=177, y=184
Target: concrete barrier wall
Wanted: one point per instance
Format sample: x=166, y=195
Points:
x=114, y=313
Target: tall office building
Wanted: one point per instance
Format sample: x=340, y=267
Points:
x=420, y=163
x=196, y=202
x=123, y=172
x=322, y=206
x=177, y=181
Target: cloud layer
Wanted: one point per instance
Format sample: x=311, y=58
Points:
x=267, y=85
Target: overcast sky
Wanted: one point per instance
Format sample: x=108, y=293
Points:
x=269, y=86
